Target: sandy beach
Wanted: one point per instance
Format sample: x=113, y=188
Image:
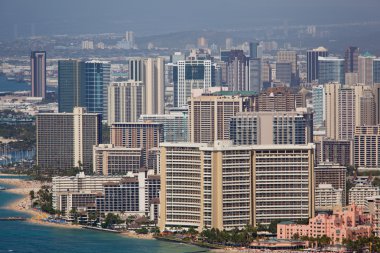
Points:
x=131, y=234
x=23, y=204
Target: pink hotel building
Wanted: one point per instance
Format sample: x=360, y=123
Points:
x=349, y=223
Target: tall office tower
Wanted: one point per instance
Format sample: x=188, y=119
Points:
x=126, y=101
x=255, y=83
x=237, y=71
x=351, y=56
x=318, y=97
x=331, y=69
x=312, y=62
x=253, y=50
x=151, y=72
x=334, y=174
x=268, y=128
x=289, y=57
x=366, y=143
x=227, y=186
x=376, y=93
x=266, y=75
x=65, y=140
x=331, y=106
x=280, y=99
x=97, y=81
x=111, y=160
x=143, y=135
x=188, y=75
x=367, y=109
x=229, y=44
x=284, y=73
x=38, y=71
x=209, y=117
x=336, y=151
x=71, y=85
x=376, y=70
x=175, y=125
x=365, y=68
x=351, y=78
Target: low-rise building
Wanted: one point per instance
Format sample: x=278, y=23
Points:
x=348, y=223
x=359, y=193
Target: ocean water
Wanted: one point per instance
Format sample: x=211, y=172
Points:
x=8, y=86
x=18, y=236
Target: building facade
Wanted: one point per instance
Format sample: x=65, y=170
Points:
x=312, y=62
x=65, y=140
x=225, y=186
x=71, y=85
x=366, y=146
x=126, y=101
x=331, y=69
x=38, y=73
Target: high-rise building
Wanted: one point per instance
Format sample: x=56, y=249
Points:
x=38, y=71
x=365, y=68
x=188, y=75
x=376, y=71
x=151, y=72
x=126, y=101
x=71, y=85
x=175, y=125
x=336, y=151
x=145, y=135
x=376, y=93
x=266, y=75
x=351, y=78
x=65, y=140
x=237, y=71
x=253, y=50
x=331, y=69
x=289, y=57
x=255, y=82
x=209, y=117
x=280, y=99
x=284, y=73
x=312, y=62
x=318, y=97
x=366, y=143
x=97, y=81
x=224, y=186
x=351, y=60
x=268, y=128
x=367, y=108
x=331, y=105
x=333, y=174
x=229, y=43
x=111, y=160
x=202, y=42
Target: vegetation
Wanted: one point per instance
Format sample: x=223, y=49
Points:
x=44, y=199
x=25, y=134
x=111, y=219
x=363, y=244
x=317, y=241
x=235, y=237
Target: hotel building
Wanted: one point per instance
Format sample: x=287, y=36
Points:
x=225, y=186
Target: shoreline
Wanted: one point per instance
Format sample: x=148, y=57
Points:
x=23, y=204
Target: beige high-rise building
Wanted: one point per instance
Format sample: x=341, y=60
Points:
x=347, y=107
x=224, y=186
x=365, y=69
x=288, y=56
x=151, y=72
x=376, y=93
x=209, y=117
x=366, y=146
x=331, y=100
x=126, y=101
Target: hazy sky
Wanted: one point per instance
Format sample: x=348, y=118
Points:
x=148, y=17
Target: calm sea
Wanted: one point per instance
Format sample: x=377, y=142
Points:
x=10, y=86
x=30, y=238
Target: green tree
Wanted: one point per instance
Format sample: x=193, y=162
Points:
x=112, y=219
